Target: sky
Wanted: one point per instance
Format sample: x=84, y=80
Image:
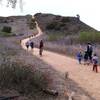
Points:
x=87, y=9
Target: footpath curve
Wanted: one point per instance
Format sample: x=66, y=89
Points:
x=83, y=75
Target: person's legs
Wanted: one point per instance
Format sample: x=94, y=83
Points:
x=40, y=52
x=90, y=57
x=32, y=49
x=27, y=46
x=79, y=60
x=93, y=67
x=85, y=61
x=96, y=68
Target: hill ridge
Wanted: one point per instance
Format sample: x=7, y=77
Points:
x=61, y=23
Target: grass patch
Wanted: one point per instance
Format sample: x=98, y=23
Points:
x=5, y=34
x=55, y=36
x=6, y=29
x=85, y=37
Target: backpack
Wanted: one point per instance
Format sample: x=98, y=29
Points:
x=79, y=55
x=95, y=61
x=90, y=49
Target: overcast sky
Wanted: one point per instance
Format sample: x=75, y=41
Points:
x=89, y=10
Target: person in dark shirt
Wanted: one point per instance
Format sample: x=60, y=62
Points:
x=86, y=58
x=27, y=45
x=32, y=45
x=41, y=47
x=90, y=51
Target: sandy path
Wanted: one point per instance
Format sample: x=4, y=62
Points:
x=81, y=74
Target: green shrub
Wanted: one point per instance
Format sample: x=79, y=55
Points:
x=6, y=29
x=55, y=26
x=52, y=37
x=57, y=17
x=31, y=23
x=85, y=37
x=55, y=36
x=51, y=26
x=4, y=34
x=65, y=19
x=62, y=24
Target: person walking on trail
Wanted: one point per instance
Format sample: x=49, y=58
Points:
x=79, y=57
x=86, y=58
x=32, y=45
x=95, y=62
x=27, y=45
x=41, y=47
x=90, y=51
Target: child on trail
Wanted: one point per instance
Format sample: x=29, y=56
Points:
x=79, y=57
x=86, y=58
x=95, y=63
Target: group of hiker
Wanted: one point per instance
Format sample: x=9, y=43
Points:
x=89, y=57
x=30, y=43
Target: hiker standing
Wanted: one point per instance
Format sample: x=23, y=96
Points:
x=90, y=51
x=41, y=48
x=86, y=58
x=32, y=45
x=79, y=57
x=27, y=45
x=95, y=63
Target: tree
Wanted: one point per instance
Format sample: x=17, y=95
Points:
x=13, y=3
x=6, y=29
x=78, y=16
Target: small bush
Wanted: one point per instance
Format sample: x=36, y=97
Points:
x=65, y=19
x=52, y=37
x=5, y=21
x=55, y=36
x=55, y=26
x=6, y=29
x=31, y=23
x=57, y=17
x=4, y=34
x=51, y=26
x=85, y=37
x=62, y=24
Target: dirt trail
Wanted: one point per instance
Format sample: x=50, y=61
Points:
x=81, y=74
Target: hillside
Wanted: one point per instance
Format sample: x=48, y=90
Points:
x=66, y=35
x=20, y=25
x=50, y=22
